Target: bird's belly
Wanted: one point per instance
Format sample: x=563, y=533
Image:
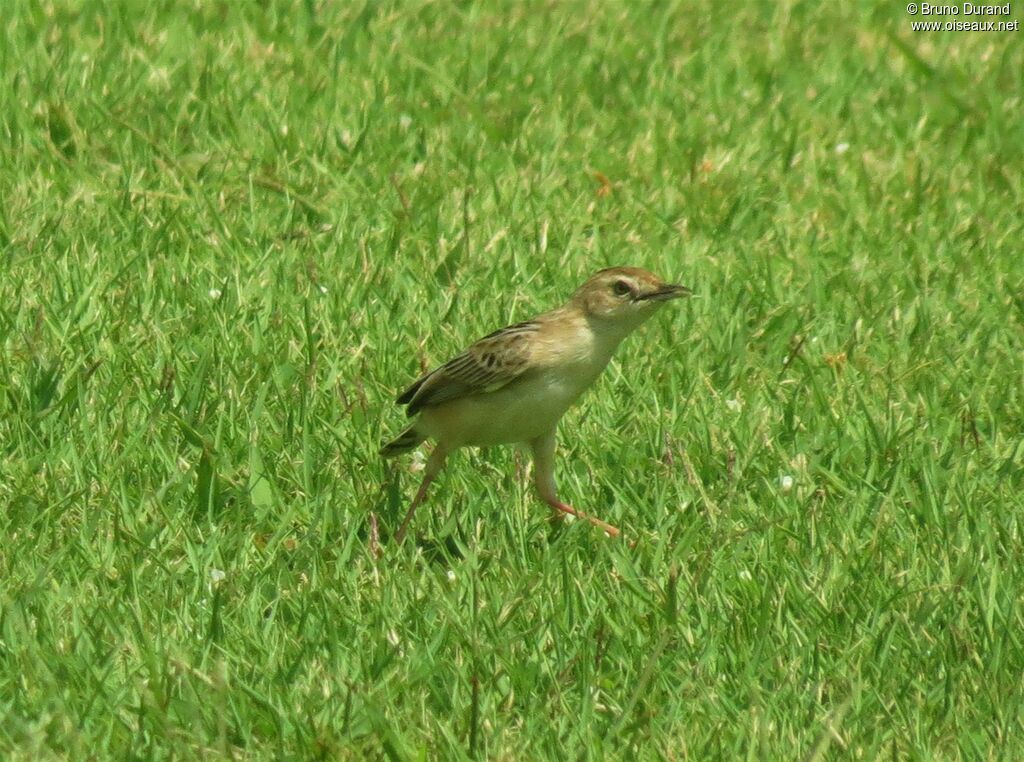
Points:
x=518, y=413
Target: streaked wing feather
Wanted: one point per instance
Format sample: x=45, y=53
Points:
x=486, y=366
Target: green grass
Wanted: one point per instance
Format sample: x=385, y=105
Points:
x=231, y=232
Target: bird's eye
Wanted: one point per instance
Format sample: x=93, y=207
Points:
x=621, y=288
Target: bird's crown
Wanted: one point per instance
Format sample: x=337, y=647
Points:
x=625, y=293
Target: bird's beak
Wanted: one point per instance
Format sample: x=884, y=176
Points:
x=666, y=292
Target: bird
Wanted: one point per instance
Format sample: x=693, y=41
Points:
x=513, y=385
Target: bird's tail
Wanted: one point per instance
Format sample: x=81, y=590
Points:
x=404, y=442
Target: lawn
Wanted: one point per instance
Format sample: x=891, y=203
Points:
x=231, y=233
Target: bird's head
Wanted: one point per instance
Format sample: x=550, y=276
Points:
x=625, y=296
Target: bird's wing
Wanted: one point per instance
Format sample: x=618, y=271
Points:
x=486, y=366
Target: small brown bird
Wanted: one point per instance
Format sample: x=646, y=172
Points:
x=514, y=385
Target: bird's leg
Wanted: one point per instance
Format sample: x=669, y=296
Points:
x=434, y=465
x=603, y=525
x=544, y=479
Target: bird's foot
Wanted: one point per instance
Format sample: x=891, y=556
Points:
x=565, y=509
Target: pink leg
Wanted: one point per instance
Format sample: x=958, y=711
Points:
x=421, y=494
x=565, y=508
x=434, y=465
x=544, y=479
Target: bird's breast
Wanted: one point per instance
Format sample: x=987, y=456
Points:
x=523, y=410
x=564, y=364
